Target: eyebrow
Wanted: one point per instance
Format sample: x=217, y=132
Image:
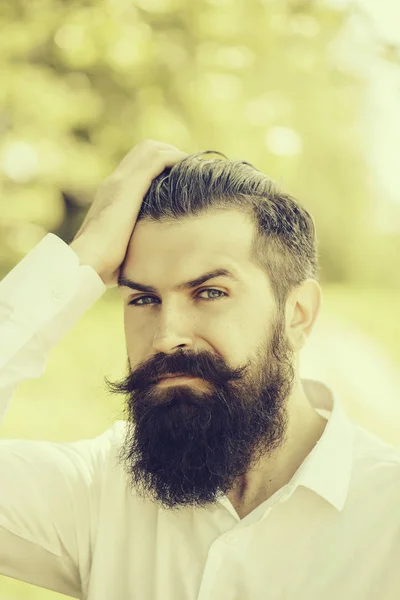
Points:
x=188, y=285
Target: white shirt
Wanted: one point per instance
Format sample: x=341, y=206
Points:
x=70, y=523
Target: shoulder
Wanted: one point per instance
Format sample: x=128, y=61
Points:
x=376, y=465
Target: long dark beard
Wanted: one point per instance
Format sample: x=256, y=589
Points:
x=187, y=446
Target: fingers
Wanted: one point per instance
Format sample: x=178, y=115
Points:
x=148, y=153
x=171, y=157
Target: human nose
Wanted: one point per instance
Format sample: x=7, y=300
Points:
x=173, y=330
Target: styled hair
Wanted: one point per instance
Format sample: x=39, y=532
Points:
x=284, y=243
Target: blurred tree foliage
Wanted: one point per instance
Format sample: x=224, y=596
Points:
x=83, y=81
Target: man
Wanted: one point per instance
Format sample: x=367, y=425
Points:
x=217, y=271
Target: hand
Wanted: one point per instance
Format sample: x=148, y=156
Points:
x=103, y=238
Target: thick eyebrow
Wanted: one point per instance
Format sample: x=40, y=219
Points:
x=188, y=285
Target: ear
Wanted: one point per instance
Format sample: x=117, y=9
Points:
x=302, y=309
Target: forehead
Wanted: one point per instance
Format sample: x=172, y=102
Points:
x=228, y=231
x=160, y=252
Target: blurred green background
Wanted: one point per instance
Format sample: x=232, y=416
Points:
x=306, y=91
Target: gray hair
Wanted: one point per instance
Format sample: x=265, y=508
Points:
x=284, y=243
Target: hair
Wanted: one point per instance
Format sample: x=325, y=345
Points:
x=284, y=243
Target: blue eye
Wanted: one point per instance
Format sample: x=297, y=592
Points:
x=134, y=302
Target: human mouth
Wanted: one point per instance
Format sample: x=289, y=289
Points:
x=178, y=378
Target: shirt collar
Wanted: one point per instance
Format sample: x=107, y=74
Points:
x=327, y=469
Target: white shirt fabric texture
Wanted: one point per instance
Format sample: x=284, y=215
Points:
x=69, y=521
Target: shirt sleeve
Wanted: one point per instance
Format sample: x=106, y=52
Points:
x=49, y=492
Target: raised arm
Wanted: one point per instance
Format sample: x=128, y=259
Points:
x=49, y=492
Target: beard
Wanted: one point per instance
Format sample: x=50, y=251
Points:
x=189, y=444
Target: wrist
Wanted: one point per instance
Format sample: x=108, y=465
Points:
x=85, y=254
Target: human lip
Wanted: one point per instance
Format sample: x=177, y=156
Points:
x=176, y=377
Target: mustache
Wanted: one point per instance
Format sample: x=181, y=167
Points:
x=191, y=365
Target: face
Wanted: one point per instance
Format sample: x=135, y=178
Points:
x=189, y=441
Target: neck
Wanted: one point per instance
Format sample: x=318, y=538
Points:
x=305, y=427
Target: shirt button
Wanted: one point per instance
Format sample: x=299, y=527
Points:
x=56, y=295
x=230, y=538
x=6, y=311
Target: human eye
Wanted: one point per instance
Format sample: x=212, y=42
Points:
x=135, y=301
x=212, y=290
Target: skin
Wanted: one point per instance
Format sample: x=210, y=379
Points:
x=243, y=425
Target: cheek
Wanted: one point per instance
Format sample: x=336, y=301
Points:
x=134, y=338
x=233, y=343
x=231, y=335
x=134, y=326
